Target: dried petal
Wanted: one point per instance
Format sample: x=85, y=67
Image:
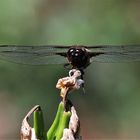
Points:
x=67, y=135
x=73, y=132
x=27, y=132
x=74, y=123
x=72, y=82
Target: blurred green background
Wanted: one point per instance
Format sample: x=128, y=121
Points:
x=110, y=107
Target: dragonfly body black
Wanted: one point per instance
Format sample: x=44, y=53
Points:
x=78, y=57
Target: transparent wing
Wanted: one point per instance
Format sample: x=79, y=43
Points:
x=109, y=53
x=42, y=55
x=34, y=55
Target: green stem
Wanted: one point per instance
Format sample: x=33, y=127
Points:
x=51, y=132
x=64, y=123
x=39, y=124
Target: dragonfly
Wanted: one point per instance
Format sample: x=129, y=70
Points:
x=77, y=56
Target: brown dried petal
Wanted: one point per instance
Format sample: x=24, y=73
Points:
x=27, y=132
x=73, y=132
x=74, y=123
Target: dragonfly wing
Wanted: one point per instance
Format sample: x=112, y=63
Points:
x=34, y=55
x=115, y=53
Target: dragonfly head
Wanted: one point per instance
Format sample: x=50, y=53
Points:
x=78, y=57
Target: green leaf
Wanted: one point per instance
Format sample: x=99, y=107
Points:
x=64, y=123
x=39, y=124
x=51, y=132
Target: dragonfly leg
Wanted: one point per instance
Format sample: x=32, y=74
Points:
x=67, y=66
x=82, y=77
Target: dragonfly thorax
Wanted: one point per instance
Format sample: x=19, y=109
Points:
x=78, y=57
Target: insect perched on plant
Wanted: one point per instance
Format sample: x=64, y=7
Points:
x=78, y=56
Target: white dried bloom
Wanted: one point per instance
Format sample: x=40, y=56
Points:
x=70, y=82
x=67, y=135
x=74, y=121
